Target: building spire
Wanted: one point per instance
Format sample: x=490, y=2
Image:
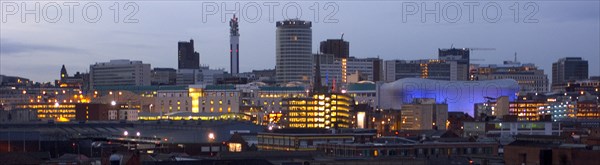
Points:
x=63, y=72
x=317, y=76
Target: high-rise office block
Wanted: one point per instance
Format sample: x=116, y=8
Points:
x=529, y=76
x=338, y=47
x=187, y=57
x=428, y=69
x=569, y=69
x=120, y=72
x=164, y=76
x=357, y=69
x=369, y=68
x=294, y=60
x=234, y=45
x=330, y=68
x=204, y=75
x=462, y=58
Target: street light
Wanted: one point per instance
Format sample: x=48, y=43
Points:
x=211, y=139
x=113, y=103
x=211, y=136
x=126, y=134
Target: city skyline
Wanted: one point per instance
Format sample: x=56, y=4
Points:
x=299, y=82
x=563, y=30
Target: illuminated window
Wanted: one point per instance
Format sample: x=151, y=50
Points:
x=235, y=147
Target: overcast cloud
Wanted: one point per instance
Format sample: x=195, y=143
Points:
x=374, y=29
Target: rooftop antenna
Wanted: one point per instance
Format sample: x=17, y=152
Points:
x=342, y=36
x=515, y=56
x=451, y=46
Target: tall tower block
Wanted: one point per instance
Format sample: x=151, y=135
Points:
x=234, y=45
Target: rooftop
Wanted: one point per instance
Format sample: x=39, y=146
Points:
x=140, y=88
x=281, y=88
x=361, y=87
x=220, y=87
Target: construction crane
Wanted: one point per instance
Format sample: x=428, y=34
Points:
x=483, y=49
x=479, y=49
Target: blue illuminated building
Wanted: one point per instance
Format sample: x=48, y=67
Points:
x=459, y=95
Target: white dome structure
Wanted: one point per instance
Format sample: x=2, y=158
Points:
x=459, y=95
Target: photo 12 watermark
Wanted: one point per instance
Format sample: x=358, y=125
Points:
x=69, y=11
x=252, y=12
x=470, y=12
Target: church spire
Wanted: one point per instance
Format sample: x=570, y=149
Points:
x=63, y=72
x=317, y=86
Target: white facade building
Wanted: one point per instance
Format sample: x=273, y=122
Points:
x=120, y=73
x=168, y=101
x=220, y=99
x=202, y=76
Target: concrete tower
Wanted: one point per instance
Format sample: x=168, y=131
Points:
x=294, y=60
x=234, y=45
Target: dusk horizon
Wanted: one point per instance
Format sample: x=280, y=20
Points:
x=560, y=31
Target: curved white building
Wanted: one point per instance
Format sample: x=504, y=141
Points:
x=294, y=60
x=459, y=95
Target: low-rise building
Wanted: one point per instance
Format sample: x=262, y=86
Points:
x=526, y=110
x=588, y=110
x=18, y=116
x=418, y=150
x=492, y=108
x=220, y=99
x=92, y=112
x=61, y=112
x=559, y=111
x=363, y=93
x=307, y=140
x=548, y=150
x=424, y=114
x=123, y=114
x=321, y=110
x=505, y=128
